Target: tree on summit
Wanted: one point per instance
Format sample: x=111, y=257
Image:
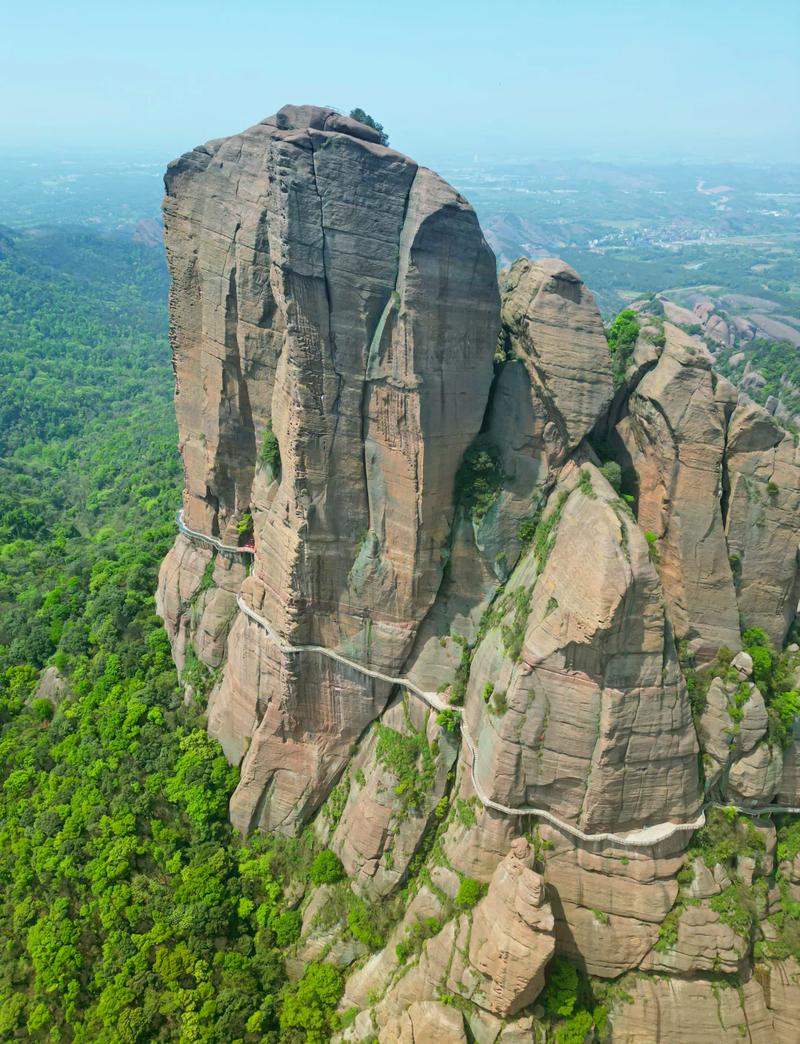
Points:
x=364, y=117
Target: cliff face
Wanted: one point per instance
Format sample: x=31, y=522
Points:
x=410, y=457
x=331, y=295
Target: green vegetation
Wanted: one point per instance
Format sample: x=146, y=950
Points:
x=773, y=673
x=652, y=545
x=310, y=1005
x=363, y=925
x=270, y=456
x=569, y=1004
x=415, y=937
x=514, y=633
x=449, y=720
x=410, y=760
x=458, y=688
x=326, y=868
x=622, y=335
x=337, y=799
x=465, y=813
x=726, y=836
x=612, y=473
x=698, y=681
x=784, y=935
x=499, y=704
x=545, y=534
x=479, y=479
x=129, y=908
x=527, y=530
x=245, y=524
x=668, y=929
x=363, y=117
x=560, y=994
x=741, y=906
x=575, y=1029
x=83, y=329
x=585, y=484
x=777, y=361
x=469, y=893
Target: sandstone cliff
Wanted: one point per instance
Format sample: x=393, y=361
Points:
x=480, y=631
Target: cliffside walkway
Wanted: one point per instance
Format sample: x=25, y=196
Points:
x=644, y=837
x=215, y=542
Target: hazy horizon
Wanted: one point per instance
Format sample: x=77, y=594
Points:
x=614, y=81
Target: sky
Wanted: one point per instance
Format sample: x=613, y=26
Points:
x=603, y=79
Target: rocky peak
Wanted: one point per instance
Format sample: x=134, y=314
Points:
x=313, y=117
x=449, y=620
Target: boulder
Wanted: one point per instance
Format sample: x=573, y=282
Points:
x=423, y=1022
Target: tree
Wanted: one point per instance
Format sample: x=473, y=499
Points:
x=310, y=1006
x=326, y=869
x=365, y=118
x=469, y=892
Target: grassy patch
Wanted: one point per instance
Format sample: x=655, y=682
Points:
x=514, y=633
x=410, y=760
x=545, y=534
x=585, y=484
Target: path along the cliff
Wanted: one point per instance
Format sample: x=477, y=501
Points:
x=642, y=838
x=215, y=542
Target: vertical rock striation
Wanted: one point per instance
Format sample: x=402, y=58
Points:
x=414, y=462
x=329, y=294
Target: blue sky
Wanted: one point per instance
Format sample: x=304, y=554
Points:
x=610, y=78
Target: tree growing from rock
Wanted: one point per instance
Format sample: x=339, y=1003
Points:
x=364, y=117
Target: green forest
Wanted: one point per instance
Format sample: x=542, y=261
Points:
x=129, y=910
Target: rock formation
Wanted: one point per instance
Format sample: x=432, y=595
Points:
x=482, y=630
x=333, y=296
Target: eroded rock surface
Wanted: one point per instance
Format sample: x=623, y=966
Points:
x=512, y=940
x=335, y=319
x=674, y=433
x=763, y=519
x=333, y=296
x=593, y=720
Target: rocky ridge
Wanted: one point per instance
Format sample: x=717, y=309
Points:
x=450, y=482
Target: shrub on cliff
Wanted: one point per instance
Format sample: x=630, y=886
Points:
x=326, y=869
x=271, y=451
x=479, y=479
x=621, y=337
x=773, y=673
x=365, y=118
x=469, y=892
x=612, y=473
